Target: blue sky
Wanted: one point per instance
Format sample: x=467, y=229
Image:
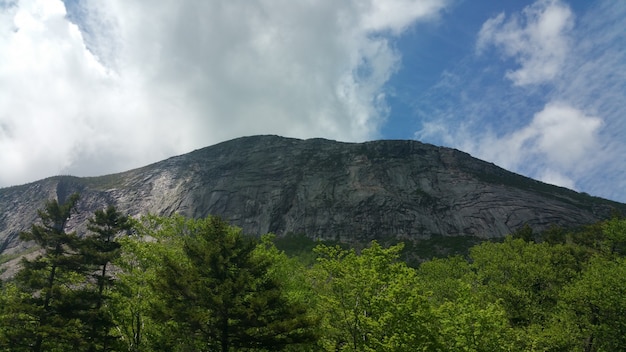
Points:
x=95, y=87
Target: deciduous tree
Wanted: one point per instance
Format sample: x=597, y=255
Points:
x=371, y=301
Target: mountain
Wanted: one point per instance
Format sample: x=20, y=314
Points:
x=351, y=192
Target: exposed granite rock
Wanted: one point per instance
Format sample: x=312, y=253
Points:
x=324, y=189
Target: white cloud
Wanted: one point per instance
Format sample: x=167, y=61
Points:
x=396, y=15
x=46, y=76
x=556, y=178
x=560, y=140
x=567, y=131
x=565, y=135
x=538, y=40
x=134, y=82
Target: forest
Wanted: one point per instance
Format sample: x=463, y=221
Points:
x=181, y=284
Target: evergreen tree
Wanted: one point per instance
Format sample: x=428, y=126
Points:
x=48, y=281
x=99, y=250
x=12, y=321
x=221, y=295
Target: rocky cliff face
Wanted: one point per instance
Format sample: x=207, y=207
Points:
x=323, y=189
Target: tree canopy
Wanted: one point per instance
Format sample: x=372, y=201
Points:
x=180, y=284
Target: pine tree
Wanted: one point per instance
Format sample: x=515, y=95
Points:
x=221, y=296
x=48, y=279
x=99, y=250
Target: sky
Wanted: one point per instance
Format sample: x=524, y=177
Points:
x=92, y=87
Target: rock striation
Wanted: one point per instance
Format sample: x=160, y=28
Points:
x=352, y=192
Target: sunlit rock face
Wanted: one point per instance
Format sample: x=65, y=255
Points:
x=352, y=192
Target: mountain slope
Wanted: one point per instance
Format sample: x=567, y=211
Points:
x=352, y=192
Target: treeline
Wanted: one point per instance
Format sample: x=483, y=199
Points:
x=179, y=284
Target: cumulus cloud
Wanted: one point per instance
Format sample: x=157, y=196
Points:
x=46, y=75
x=559, y=141
x=102, y=86
x=569, y=130
x=564, y=134
x=537, y=40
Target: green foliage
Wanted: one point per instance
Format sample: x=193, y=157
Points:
x=467, y=324
x=523, y=275
x=370, y=302
x=220, y=291
x=563, y=294
x=178, y=284
x=301, y=247
x=595, y=304
x=99, y=250
x=60, y=299
x=525, y=233
x=442, y=279
x=614, y=231
x=297, y=245
x=133, y=299
x=437, y=246
x=13, y=319
x=48, y=279
x=466, y=320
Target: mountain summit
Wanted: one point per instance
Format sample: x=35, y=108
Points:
x=351, y=192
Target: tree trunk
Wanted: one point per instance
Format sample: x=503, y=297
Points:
x=46, y=306
x=224, y=333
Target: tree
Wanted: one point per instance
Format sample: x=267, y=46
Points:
x=525, y=276
x=443, y=279
x=594, y=306
x=292, y=274
x=99, y=250
x=133, y=298
x=526, y=233
x=48, y=281
x=466, y=322
x=614, y=231
x=469, y=325
x=371, y=301
x=220, y=294
x=13, y=322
